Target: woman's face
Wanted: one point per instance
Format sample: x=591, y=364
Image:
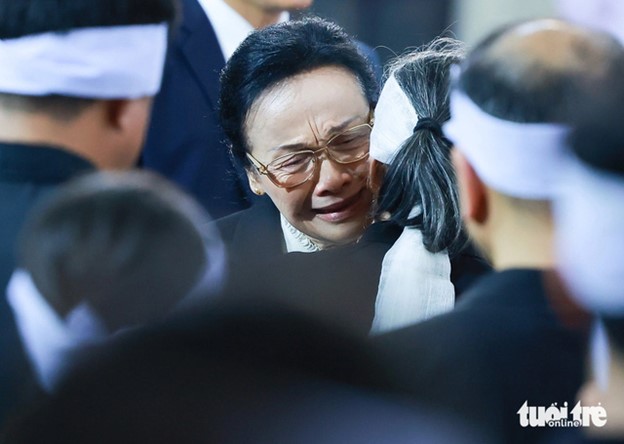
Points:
x=301, y=113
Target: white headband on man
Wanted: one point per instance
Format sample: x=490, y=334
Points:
x=48, y=339
x=99, y=63
x=395, y=119
x=589, y=214
x=517, y=159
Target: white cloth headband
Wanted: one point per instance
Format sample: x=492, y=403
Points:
x=589, y=215
x=121, y=62
x=49, y=340
x=516, y=159
x=395, y=119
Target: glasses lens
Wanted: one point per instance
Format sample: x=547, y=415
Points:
x=352, y=145
x=292, y=169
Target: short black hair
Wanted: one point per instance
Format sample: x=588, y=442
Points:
x=421, y=173
x=128, y=243
x=26, y=17
x=521, y=88
x=271, y=55
x=61, y=108
x=597, y=136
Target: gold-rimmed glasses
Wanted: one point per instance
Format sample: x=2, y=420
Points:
x=293, y=169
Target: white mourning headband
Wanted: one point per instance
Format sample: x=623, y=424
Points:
x=405, y=296
x=516, y=159
x=101, y=63
x=395, y=119
x=49, y=340
x=589, y=215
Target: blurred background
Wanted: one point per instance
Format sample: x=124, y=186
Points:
x=394, y=25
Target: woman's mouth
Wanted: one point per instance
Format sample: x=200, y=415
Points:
x=341, y=210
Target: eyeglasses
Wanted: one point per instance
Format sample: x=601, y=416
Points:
x=291, y=170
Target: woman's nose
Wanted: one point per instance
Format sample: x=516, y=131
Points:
x=332, y=176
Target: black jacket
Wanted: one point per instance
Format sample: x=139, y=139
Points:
x=502, y=345
x=339, y=284
x=28, y=173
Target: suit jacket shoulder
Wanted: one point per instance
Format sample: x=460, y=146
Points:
x=502, y=345
x=185, y=142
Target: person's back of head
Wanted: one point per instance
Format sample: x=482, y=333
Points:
x=108, y=252
x=511, y=107
x=419, y=171
x=60, y=58
x=129, y=244
x=534, y=72
x=589, y=216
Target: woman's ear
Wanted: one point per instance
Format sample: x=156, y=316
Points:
x=254, y=181
x=472, y=191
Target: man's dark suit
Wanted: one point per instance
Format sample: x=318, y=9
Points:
x=27, y=174
x=185, y=142
x=501, y=346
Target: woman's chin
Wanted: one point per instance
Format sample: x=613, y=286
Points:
x=332, y=234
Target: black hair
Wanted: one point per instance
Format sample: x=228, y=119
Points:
x=61, y=108
x=26, y=17
x=615, y=330
x=421, y=173
x=275, y=53
x=129, y=244
x=597, y=136
x=522, y=86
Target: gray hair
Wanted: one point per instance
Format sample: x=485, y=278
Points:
x=421, y=173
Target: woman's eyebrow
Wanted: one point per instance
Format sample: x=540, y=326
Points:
x=334, y=130
x=290, y=147
x=346, y=124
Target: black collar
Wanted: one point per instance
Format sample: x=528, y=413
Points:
x=39, y=163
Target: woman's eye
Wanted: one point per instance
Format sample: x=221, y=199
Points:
x=348, y=143
x=292, y=162
x=342, y=141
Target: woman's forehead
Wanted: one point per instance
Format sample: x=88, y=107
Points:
x=326, y=99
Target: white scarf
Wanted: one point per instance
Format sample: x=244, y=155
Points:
x=414, y=284
x=51, y=342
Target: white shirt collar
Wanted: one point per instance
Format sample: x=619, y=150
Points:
x=295, y=239
x=229, y=26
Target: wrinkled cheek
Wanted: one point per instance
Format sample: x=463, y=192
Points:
x=360, y=171
x=300, y=208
